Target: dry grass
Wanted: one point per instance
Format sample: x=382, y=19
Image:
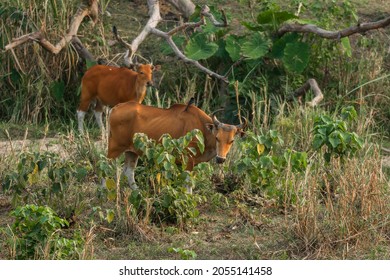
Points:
x=343, y=207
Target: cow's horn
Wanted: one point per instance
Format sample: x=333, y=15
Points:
x=215, y=120
x=126, y=59
x=244, y=124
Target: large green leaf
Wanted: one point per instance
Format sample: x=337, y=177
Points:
x=233, y=47
x=280, y=44
x=296, y=56
x=257, y=46
x=274, y=17
x=199, y=48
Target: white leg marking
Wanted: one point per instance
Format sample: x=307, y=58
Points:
x=80, y=119
x=99, y=119
x=189, y=184
x=128, y=171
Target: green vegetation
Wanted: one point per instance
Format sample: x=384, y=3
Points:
x=304, y=183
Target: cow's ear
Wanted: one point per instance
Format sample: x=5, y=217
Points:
x=156, y=67
x=210, y=126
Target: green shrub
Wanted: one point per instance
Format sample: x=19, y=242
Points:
x=163, y=178
x=37, y=229
x=334, y=135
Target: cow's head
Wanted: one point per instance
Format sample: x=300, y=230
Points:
x=224, y=136
x=145, y=73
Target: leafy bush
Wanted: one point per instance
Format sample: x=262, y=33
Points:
x=31, y=172
x=334, y=135
x=37, y=229
x=264, y=160
x=163, y=177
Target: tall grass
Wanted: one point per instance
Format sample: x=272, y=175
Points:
x=37, y=85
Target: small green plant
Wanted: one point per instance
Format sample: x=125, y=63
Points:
x=37, y=229
x=264, y=160
x=334, y=135
x=258, y=161
x=165, y=178
x=183, y=253
x=45, y=171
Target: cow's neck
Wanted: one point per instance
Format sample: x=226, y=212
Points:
x=140, y=91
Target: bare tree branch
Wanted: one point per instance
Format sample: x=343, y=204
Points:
x=150, y=27
x=179, y=54
x=313, y=85
x=154, y=19
x=81, y=50
x=310, y=28
x=90, y=10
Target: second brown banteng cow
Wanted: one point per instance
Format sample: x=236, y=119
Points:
x=109, y=86
x=129, y=118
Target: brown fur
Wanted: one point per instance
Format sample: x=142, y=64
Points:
x=110, y=85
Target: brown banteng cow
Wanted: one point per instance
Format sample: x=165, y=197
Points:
x=129, y=118
x=109, y=86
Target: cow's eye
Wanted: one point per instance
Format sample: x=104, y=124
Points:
x=231, y=142
x=141, y=72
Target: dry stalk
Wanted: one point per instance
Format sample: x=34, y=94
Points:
x=88, y=250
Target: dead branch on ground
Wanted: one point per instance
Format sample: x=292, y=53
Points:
x=301, y=92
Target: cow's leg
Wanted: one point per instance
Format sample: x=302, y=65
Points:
x=85, y=101
x=131, y=160
x=188, y=182
x=80, y=120
x=98, y=112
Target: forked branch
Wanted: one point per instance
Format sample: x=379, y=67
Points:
x=150, y=27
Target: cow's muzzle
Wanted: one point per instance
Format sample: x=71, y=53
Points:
x=220, y=159
x=150, y=84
